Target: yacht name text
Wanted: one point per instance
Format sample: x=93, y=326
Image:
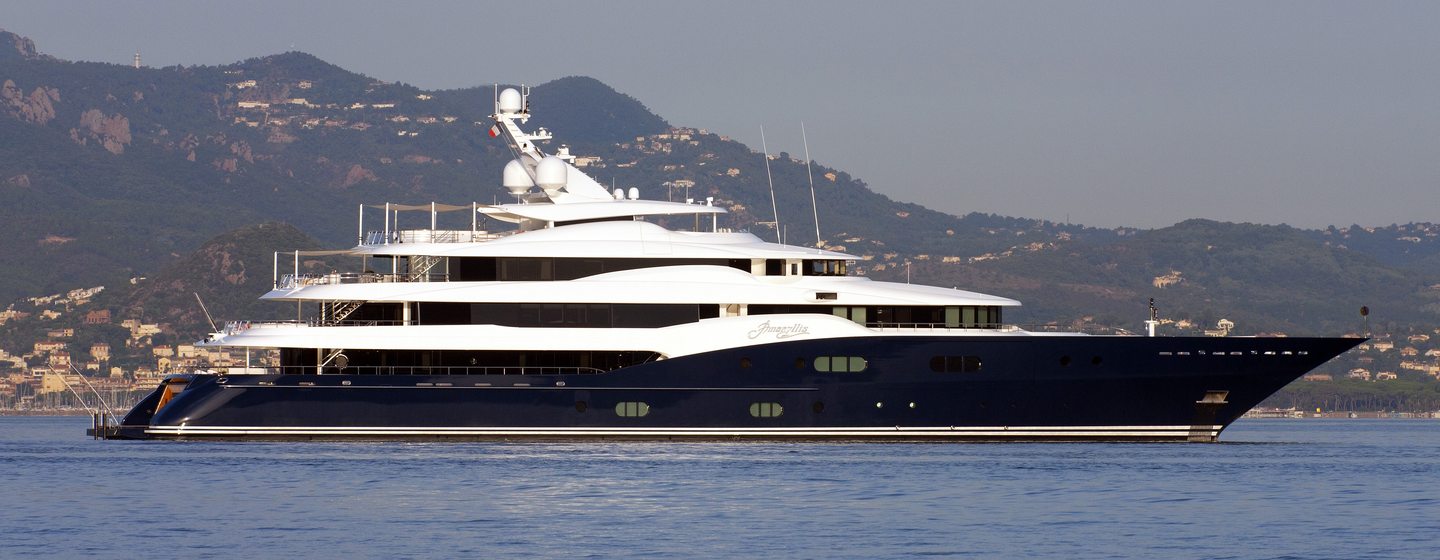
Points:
x=780, y=331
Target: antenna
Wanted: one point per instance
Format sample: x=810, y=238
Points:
x=813, y=207
x=773, y=209
x=1154, y=319
x=206, y=311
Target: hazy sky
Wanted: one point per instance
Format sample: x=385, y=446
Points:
x=1108, y=113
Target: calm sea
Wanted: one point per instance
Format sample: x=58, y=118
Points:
x=1273, y=489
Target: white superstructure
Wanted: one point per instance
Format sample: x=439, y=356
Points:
x=587, y=269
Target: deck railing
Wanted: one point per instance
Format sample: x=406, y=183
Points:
x=288, y=281
x=428, y=236
x=423, y=370
x=999, y=327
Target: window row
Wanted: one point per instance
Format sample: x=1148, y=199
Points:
x=638, y=409
x=461, y=362
x=955, y=364
x=538, y=269
x=583, y=315
x=841, y=364
x=965, y=316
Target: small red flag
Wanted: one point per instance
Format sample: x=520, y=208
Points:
x=495, y=131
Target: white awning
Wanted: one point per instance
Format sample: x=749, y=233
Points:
x=425, y=207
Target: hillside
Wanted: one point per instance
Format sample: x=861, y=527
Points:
x=111, y=172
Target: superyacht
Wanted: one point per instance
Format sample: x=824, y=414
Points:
x=589, y=319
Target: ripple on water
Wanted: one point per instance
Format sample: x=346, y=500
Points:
x=1273, y=489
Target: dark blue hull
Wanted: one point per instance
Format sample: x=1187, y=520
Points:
x=943, y=387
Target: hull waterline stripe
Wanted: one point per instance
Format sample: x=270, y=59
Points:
x=945, y=431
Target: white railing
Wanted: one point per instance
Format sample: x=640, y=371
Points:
x=428, y=236
x=997, y=327
x=289, y=281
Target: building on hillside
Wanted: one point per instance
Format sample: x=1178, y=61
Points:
x=98, y=317
x=47, y=346
x=52, y=382
x=1170, y=279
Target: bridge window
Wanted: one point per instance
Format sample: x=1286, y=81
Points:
x=815, y=267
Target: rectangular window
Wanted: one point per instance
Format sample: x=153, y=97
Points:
x=955, y=364
x=840, y=364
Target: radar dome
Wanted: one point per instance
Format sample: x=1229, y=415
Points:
x=515, y=178
x=551, y=174
x=511, y=102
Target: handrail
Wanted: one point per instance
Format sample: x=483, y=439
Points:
x=428, y=236
x=883, y=326
x=290, y=281
x=427, y=370
x=1002, y=327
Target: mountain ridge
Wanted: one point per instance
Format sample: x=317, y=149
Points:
x=131, y=169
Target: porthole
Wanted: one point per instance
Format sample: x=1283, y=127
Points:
x=766, y=410
x=632, y=409
x=581, y=406
x=799, y=363
x=1064, y=361
x=1095, y=361
x=818, y=407
x=744, y=363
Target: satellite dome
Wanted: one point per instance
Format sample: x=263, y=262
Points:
x=515, y=178
x=511, y=102
x=551, y=174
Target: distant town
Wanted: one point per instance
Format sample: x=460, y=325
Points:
x=60, y=373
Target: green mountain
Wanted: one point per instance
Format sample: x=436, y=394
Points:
x=111, y=172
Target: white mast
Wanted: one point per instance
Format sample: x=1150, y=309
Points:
x=813, y=206
x=773, y=208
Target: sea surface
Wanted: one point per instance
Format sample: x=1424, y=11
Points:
x=1272, y=489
